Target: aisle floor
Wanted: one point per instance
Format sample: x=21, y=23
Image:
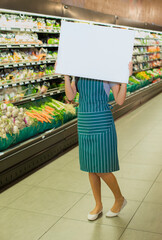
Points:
x=53, y=203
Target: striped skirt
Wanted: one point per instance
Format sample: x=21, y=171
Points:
x=97, y=142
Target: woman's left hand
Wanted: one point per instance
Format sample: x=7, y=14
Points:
x=130, y=68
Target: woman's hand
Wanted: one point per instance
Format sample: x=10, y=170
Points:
x=130, y=66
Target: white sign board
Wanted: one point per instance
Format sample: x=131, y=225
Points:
x=96, y=52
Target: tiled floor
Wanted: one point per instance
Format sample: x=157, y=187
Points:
x=52, y=204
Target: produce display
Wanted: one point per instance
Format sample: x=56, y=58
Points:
x=12, y=119
x=20, y=123
x=21, y=21
x=25, y=55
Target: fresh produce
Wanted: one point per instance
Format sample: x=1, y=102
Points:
x=12, y=119
x=49, y=109
x=134, y=80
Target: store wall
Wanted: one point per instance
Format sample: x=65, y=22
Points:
x=149, y=11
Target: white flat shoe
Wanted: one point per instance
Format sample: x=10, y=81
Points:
x=93, y=217
x=113, y=214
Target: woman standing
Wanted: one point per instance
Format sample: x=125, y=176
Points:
x=97, y=137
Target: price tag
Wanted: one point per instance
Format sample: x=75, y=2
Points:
x=27, y=82
x=33, y=63
x=20, y=64
x=6, y=86
x=28, y=30
x=28, y=45
x=21, y=45
x=15, y=65
x=14, y=84
x=8, y=29
x=9, y=46
x=2, y=28
x=32, y=99
x=6, y=66
x=28, y=64
x=37, y=45
x=21, y=83
x=38, y=80
x=50, y=77
x=1, y=87
x=51, y=93
x=22, y=29
x=44, y=96
x=33, y=81
x=58, y=91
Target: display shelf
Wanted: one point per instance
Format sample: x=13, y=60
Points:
x=141, y=70
x=146, y=53
x=158, y=59
x=149, y=45
x=36, y=96
x=26, y=64
x=12, y=29
x=27, y=81
x=149, y=38
x=4, y=46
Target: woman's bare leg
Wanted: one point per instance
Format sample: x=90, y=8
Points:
x=111, y=181
x=95, y=182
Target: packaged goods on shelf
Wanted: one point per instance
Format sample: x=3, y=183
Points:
x=19, y=38
x=21, y=21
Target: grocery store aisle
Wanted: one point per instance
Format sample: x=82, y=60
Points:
x=53, y=203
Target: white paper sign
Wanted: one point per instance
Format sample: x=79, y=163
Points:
x=96, y=52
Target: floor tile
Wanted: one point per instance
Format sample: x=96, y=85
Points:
x=60, y=162
x=130, y=234
x=137, y=171
x=72, y=166
x=131, y=189
x=86, y=204
x=11, y=194
x=148, y=218
x=36, y=177
x=155, y=194
x=68, y=181
x=78, y=230
x=159, y=178
x=47, y=201
x=18, y=225
x=143, y=157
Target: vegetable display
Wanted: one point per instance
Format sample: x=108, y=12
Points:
x=12, y=119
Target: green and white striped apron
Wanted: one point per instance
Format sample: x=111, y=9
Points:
x=96, y=129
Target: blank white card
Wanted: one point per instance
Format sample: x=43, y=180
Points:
x=96, y=52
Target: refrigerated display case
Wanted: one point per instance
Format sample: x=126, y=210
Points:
x=28, y=51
